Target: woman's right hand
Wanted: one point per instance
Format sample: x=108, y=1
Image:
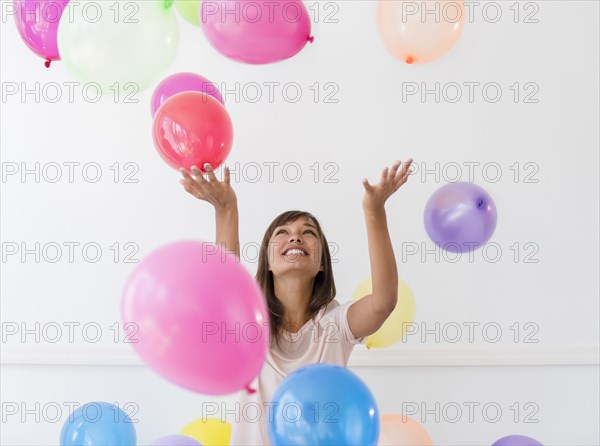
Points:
x=218, y=193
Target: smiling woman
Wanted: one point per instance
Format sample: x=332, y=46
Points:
x=307, y=324
x=296, y=286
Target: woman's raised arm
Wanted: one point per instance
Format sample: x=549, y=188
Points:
x=222, y=196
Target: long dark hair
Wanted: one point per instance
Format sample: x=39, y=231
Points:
x=324, y=285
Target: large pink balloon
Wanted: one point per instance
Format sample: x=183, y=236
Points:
x=256, y=31
x=37, y=23
x=200, y=319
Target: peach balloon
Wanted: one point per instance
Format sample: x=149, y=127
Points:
x=399, y=430
x=420, y=32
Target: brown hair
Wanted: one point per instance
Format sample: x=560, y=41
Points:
x=324, y=285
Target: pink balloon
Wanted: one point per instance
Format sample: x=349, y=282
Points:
x=256, y=31
x=37, y=23
x=197, y=317
x=180, y=82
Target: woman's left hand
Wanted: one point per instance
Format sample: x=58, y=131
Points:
x=391, y=180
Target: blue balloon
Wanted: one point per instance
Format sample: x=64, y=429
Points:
x=98, y=424
x=323, y=404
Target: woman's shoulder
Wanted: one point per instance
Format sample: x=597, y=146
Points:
x=334, y=309
x=336, y=313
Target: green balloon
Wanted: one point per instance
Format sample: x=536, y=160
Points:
x=122, y=46
x=189, y=10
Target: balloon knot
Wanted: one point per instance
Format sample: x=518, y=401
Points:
x=311, y=39
x=250, y=390
x=47, y=63
x=409, y=60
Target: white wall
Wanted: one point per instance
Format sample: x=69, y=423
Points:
x=547, y=311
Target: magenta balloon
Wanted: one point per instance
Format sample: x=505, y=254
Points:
x=180, y=82
x=256, y=31
x=460, y=217
x=176, y=440
x=37, y=23
x=199, y=318
x=517, y=440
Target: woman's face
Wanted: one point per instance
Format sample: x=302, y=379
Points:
x=295, y=247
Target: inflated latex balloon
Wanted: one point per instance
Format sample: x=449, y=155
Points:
x=256, y=31
x=180, y=82
x=37, y=22
x=98, y=423
x=191, y=129
x=396, y=325
x=420, y=32
x=323, y=404
x=201, y=318
x=189, y=10
x=399, y=430
x=517, y=440
x=460, y=217
x=123, y=46
x=209, y=431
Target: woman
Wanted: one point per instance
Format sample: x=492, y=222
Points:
x=294, y=272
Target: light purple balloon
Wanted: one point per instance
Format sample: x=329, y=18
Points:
x=460, y=217
x=517, y=440
x=180, y=82
x=37, y=23
x=176, y=440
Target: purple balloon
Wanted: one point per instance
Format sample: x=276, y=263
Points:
x=460, y=217
x=517, y=440
x=37, y=23
x=176, y=440
x=180, y=82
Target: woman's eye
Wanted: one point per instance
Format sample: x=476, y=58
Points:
x=280, y=231
x=311, y=231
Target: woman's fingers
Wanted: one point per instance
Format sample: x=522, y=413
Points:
x=406, y=167
x=384, y=175
x=198, y=175
x=191, y=187
x=394, y=169
x=210, y=172
x=185, y=174
x=403, y=173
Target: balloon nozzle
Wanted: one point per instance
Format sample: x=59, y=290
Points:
x=250, y=390
x=47, y=63
x=311, y=39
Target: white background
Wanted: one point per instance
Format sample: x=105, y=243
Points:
x=553, y=220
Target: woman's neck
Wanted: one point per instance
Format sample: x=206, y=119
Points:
x=295, y=294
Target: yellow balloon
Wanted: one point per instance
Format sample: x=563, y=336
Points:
x=209, y=431
x=189, y=10
x=394, y=328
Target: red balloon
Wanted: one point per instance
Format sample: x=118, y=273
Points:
x=192, y=128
